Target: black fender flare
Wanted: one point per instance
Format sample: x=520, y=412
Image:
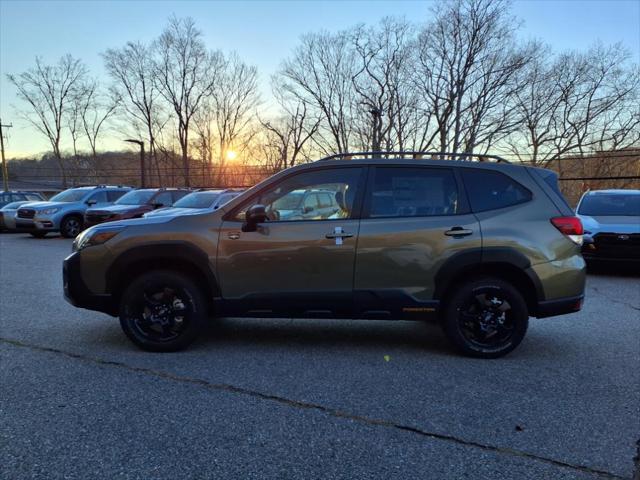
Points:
x=161, y=254
x=484, y=258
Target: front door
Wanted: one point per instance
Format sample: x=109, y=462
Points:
x=295, y=264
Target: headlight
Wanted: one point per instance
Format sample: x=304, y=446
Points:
x=48, y=211
x=95, y=236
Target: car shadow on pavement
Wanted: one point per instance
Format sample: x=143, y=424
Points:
x=318, y=333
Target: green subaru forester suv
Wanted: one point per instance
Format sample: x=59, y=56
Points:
x=475, y=243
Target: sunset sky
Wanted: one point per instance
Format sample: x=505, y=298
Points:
x=263, y=33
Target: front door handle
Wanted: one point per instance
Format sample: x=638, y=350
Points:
x=233, y=235
x=458, y=232
x=339, y=235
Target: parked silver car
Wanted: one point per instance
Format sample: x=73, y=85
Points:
x=8, y=215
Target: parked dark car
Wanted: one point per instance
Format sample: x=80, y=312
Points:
x=197, y=202
x=19, y=196
x=134, y=204
x=611, y=220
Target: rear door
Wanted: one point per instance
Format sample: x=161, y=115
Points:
x=415, y=219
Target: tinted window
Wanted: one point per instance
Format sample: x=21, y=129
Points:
x=33, y=197
x=99, y=197
x=197, y=200
x=18, y=197
x=325, y=200
x=609, y=205
x=178, y=194
x=413, y=192
x=114, y=195
x=489, y=190
x=136, y=197
x=165, y=198
x=285, y=200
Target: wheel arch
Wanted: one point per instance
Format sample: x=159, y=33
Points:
x=181, y=257
x=504, y=263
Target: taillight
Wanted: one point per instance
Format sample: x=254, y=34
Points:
x=569, y=226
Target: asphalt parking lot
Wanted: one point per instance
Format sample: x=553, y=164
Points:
x=309, y=398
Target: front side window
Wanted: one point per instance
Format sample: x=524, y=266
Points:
x=296, y=198
x=413, y=192
x=33, y=197
x=598, y=204
x=490, y=190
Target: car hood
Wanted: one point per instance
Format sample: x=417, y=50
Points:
x=175, y=211
x=41, y=205
x=613, y=224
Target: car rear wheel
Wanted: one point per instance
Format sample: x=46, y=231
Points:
x=70, y=227
x=486, y=317
x=162, y=311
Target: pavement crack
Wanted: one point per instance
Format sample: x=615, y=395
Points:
x=614, y=300
x=333, y=412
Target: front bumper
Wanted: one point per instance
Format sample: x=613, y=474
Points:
x=37, y=224
x=78, y=294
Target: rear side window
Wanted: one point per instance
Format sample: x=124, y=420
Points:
x=413, y=192
x=99, y=197
x=113, y=195
x=490, y=190
x=33, y=197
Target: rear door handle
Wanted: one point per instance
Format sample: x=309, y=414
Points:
x=458, y=232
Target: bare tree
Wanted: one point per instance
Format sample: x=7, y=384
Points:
x=467, y=71
x=95, y=110
x=185, y=73
x=288, y=135
x=320, y=74
x=386, y=97
x=131, y=69
x=48, y=90
x=577, y=103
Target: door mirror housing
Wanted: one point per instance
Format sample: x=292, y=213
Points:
x=157, y=205
x=307, y=209
x=255, y=215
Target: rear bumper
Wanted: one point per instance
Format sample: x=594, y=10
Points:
x=559, y=306
x=78, y=294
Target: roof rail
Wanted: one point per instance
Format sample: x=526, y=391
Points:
x=463, y=157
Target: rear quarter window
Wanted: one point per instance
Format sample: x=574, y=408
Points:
x=489, y=190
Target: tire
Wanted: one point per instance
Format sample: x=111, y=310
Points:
x=485, y=318
x=38, y=234
x=71, y=226
x=180, y=311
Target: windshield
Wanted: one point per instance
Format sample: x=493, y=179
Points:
x=71, y=195
x=136, y=197
x=197, y=200
x=290, y=201
x=610, y=205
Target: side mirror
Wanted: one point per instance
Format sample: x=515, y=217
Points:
x=157, y=205
x=91, y=202
x=307, y=209
x=255, y=215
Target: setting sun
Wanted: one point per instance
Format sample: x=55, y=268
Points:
x=231, y=155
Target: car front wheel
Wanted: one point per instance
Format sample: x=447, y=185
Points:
x=486, y=318
x=71, y=227
x=162, y=311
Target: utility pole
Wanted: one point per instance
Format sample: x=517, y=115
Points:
x=140, y=143
x=5, y=171
x=376, y=113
